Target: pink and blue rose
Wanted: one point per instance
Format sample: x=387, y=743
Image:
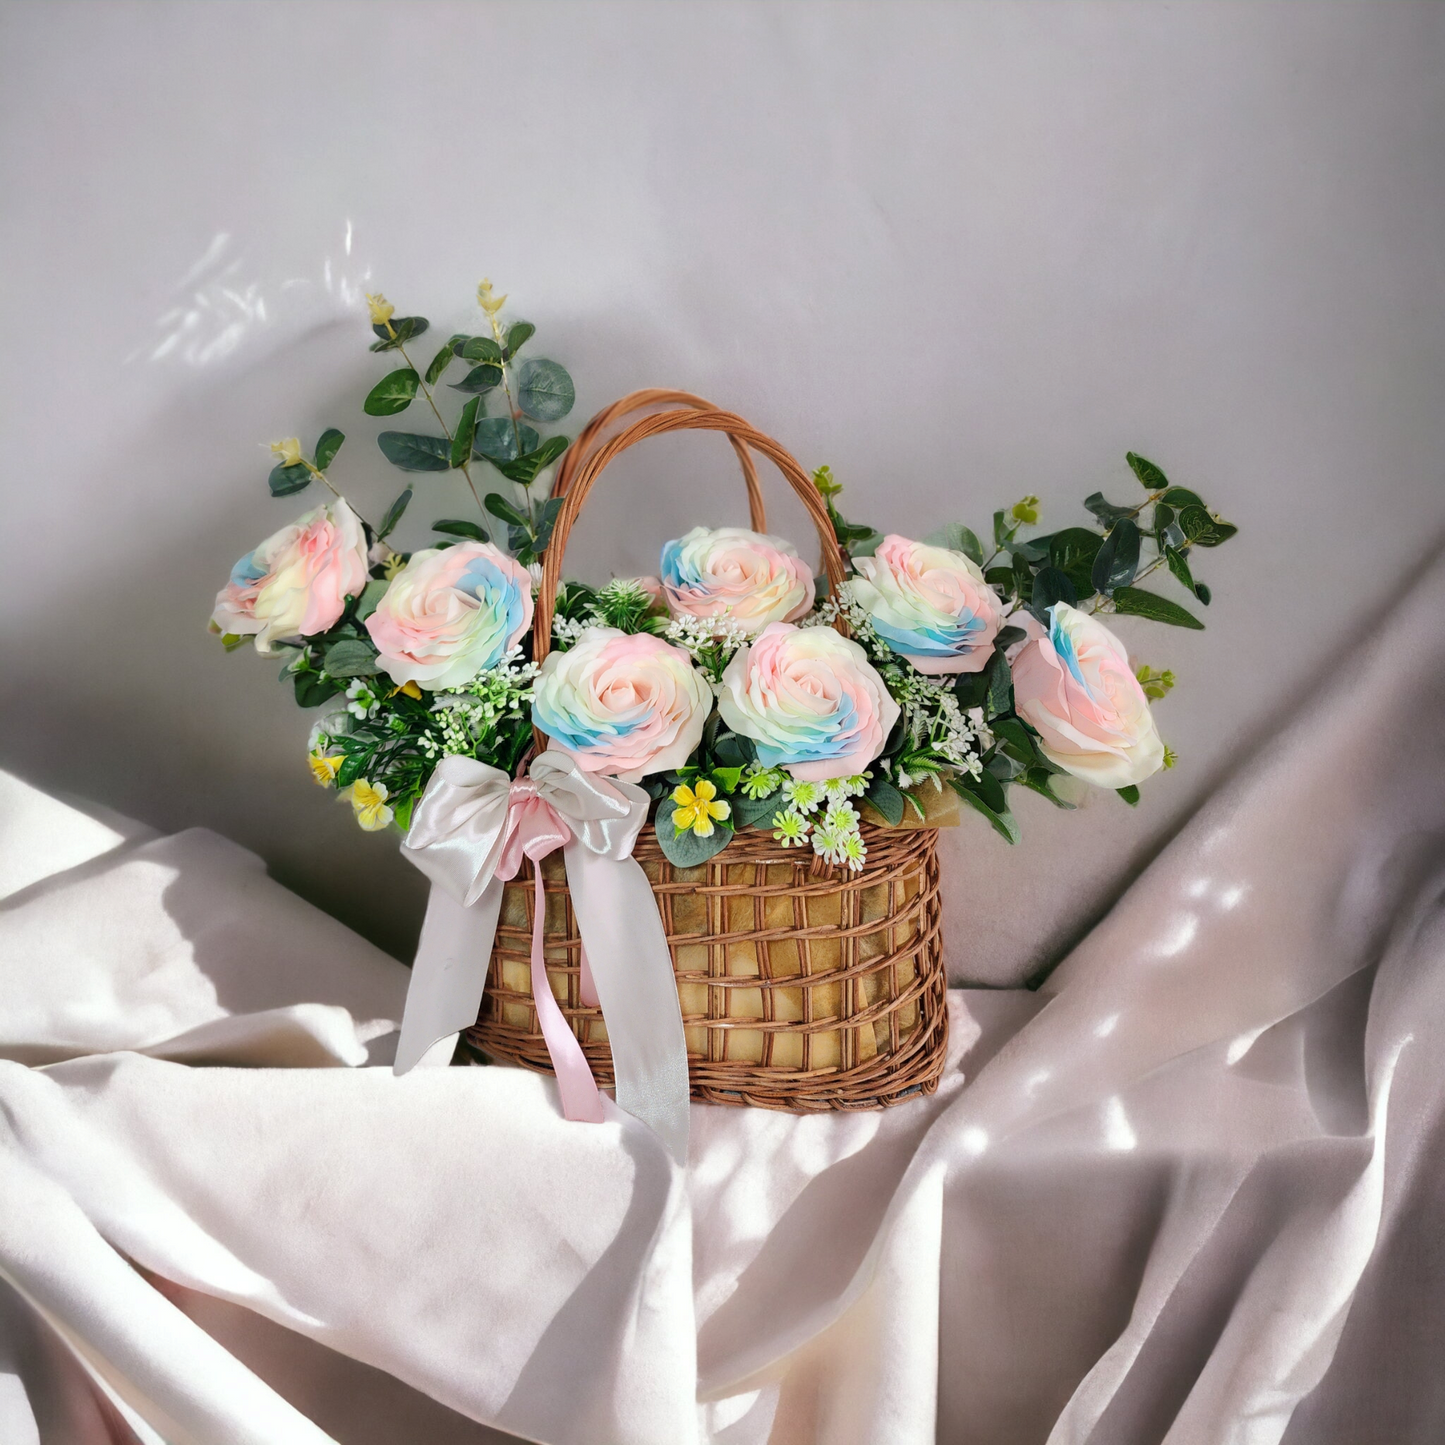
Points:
x=295, y=584
x=732, y=574
x=450, y=614
x=1074, y=686
x=810, y=700
x=928, y=604
x=626, y=704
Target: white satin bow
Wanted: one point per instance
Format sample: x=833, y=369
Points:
x=469, y=832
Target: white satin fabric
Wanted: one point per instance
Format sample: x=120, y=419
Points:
x=1190, y=1191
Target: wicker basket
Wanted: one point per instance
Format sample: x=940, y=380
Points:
x=803, y=987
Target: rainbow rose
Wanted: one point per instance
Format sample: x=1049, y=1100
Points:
x=295, y=584
x=1074, y=686
x=732, y=574
x=451, y=613
x=627, y=704
x=929, y=604
x=810, y=700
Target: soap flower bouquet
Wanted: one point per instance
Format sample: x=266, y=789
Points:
x=731, y=685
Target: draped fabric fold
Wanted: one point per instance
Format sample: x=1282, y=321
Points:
x=469, y=834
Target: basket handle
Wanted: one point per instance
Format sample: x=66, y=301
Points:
x=587, y=443
x=659, y=423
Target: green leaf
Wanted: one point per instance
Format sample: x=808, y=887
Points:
x=1008, y=636
x=519, y=333
x=527, y=468
x=1118, y=557
x=370, y=598
x=687, y=850
x=1179, y=567
x=312, y=691
x=733, y=751
x=404, y=327
x=544, y=390
x=413, y=453
x=1003, y=821
x=480, y=379
x=350, y=658
x=470, y=530
x=755, y=812
x=957, y=538
x=1073, y=551
x=1136, y=602
x=499, y=506
x=1033, y=551
x=496, y=439
x=439, y=364
x=1014, y=738
x=1202, y=592
x=1182, y=497
x=867, y=544
x=546, y=519
x=481, y=348
x=882, y=794
x=1150, y=475
x=287, y=481
x=971, y=689
x=1107, y=512
x=1000, y=686
x=327, y=445
x=727, y=778
x=1039, y=781
x=465, y=430
x=1001, y=532
x=1000, y=577
x=393, y=393
x=1130, y=795
x=1050, y=586
x=393, y=515
x=350, y=770
x=1204, y=529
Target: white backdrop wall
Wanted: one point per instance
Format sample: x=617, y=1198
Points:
x=960, y=252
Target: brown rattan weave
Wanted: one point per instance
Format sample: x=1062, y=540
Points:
x=803, y=987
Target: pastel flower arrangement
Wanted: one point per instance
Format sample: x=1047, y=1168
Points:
x=733, y=686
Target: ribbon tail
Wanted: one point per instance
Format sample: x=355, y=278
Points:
x=632, y=968
x=450, y=972
x=580, y=1100
x=586, y=984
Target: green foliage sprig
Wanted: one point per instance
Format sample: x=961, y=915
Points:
x=1094, y=568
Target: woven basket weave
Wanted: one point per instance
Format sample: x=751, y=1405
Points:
x=803, y=987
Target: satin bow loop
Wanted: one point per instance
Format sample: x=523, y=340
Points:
x=470, y=831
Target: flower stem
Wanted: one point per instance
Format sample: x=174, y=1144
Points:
x=446, y=430
x=497, y=336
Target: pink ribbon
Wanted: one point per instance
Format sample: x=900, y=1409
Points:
x=535, y=828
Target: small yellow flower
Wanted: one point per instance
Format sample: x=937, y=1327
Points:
x=381, y=309
x=393, y=565
x=489, y=303
x=287, y=452
x=696, y=808
x=1025, y=511
x=409, y=688
x=324, y=769
x=368, y=802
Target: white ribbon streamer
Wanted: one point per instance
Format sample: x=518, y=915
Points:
x=461, y=829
